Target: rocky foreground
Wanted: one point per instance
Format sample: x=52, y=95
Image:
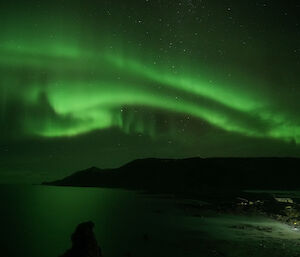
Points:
x=84, y=243
x=282, y=209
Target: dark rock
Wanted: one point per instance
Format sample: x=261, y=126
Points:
x=84, y=243
x=145, y=237
x=248, y=226
x=127, y=254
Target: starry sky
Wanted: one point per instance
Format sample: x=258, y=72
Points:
x=99, y=83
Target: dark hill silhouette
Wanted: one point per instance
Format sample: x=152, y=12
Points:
x=192, y=175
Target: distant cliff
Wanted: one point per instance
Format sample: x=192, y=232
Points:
x=192, y=175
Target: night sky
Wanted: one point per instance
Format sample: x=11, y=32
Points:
x=99, y=83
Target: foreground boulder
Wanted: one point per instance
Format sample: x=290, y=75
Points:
x=84, y=243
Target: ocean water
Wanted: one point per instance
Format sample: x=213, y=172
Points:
x=39, y=220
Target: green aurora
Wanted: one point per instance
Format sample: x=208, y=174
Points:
x=68, y=71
